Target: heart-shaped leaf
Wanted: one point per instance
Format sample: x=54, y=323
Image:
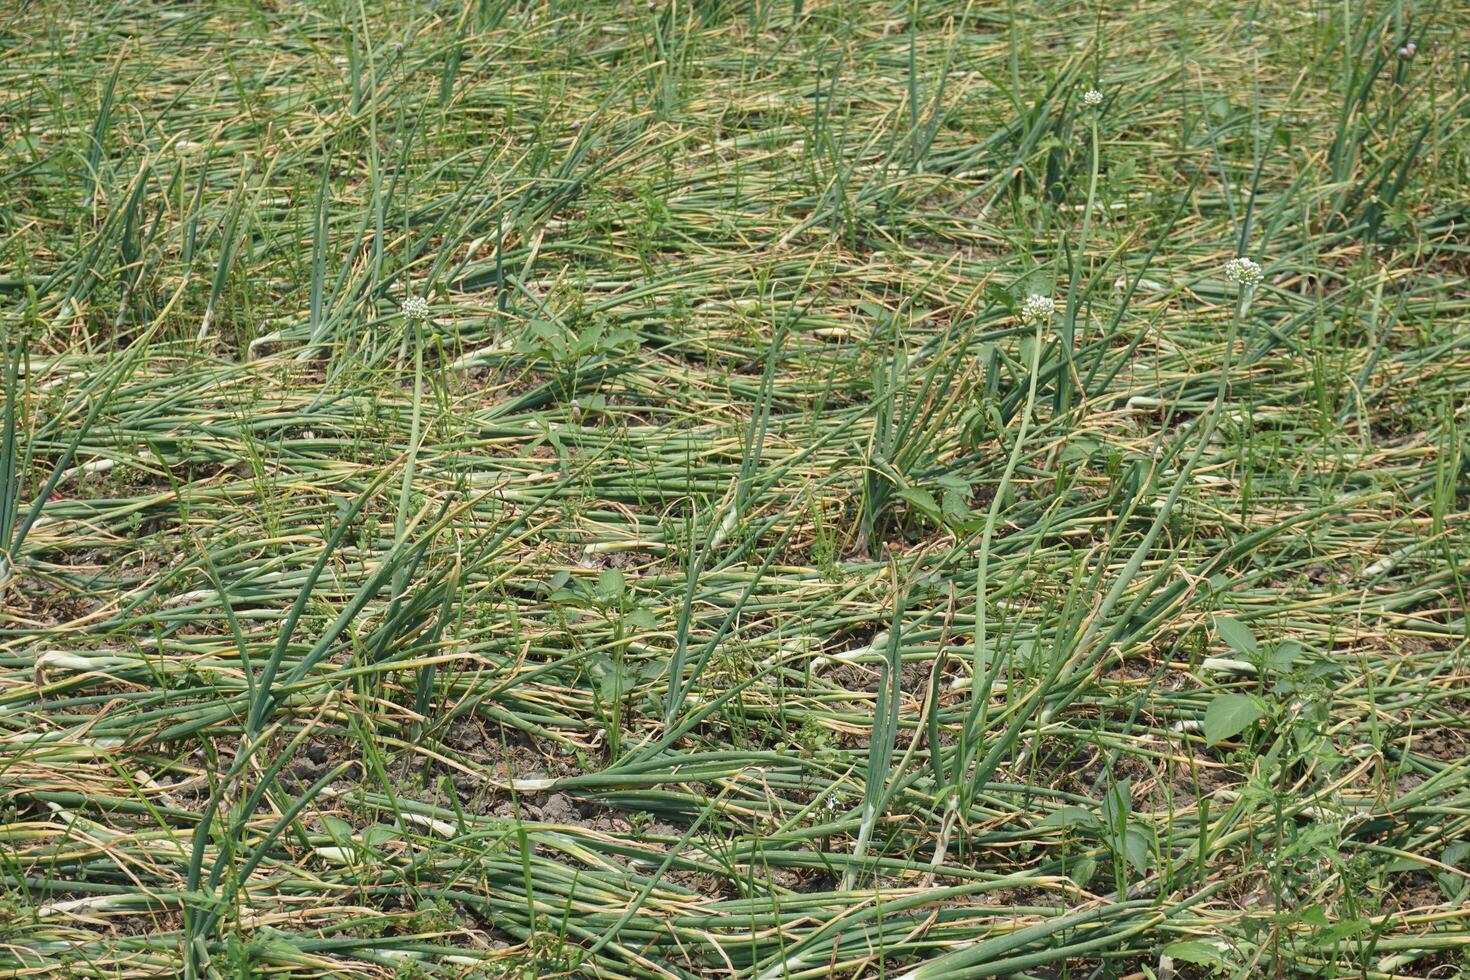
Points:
x=1229, y=715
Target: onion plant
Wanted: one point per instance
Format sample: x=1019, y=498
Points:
x=734, y=490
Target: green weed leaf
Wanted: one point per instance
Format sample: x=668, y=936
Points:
x=1236, y=635
x=1229, y=715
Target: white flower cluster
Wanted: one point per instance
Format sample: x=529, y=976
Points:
x=1092, y=98
x=1037, y=309
x=416, y=308
x=1243, y=272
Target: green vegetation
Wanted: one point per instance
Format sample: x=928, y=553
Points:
x=732, y=569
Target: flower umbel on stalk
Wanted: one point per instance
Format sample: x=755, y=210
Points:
x=1092, y=98
x=1247, y=275
x=1243, y=272
x=971, y=768
x=1038, y=309
x=416, y=309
